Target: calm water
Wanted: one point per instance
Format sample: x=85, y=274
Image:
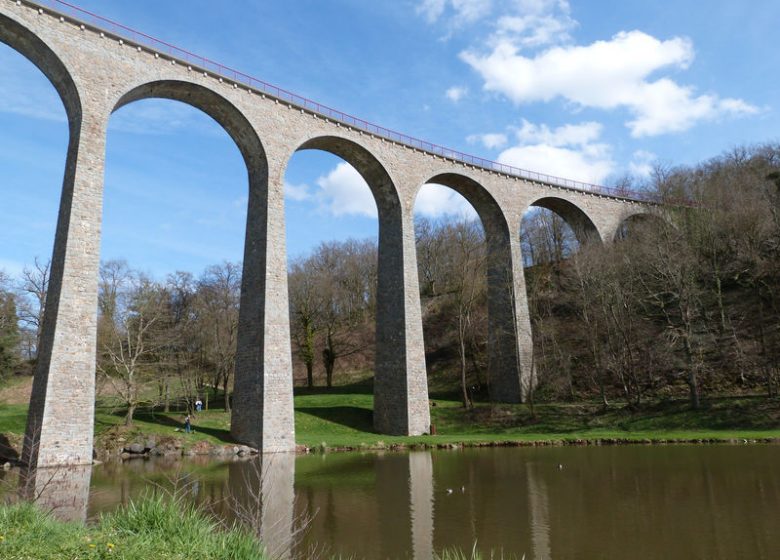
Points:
x=605, y=502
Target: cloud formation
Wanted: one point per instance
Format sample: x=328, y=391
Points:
x=608, y=74
x=528, y=55
x=571, y=151
x=343, y=192
x=456, y=93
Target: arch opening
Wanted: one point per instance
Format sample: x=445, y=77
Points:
x=553, y=229
x=452, y=271
x=638, y=226
x=505, y=372
x=185, y=188
x=336, y=196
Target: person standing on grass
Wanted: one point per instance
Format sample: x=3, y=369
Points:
x=187, y=424
x=198, y=405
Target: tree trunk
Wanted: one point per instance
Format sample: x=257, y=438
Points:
x=309, y=374
x=462, y=347
x=129, y=415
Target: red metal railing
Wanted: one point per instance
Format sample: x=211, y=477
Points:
x=100, y=23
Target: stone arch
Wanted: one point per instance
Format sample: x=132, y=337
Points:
x=583, y=226
x=229, y=117
x=506, y=292
x=34, y=49
x=367, y=164
x=640, y=218
x=400, y=390
x=261, y=367
x=487, y=208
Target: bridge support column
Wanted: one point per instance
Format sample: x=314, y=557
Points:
x=400, y=382
x=263, y=394
x=60, y=420
x=510, y=346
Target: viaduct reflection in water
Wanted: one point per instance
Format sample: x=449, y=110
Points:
x=63, y=491
x=663, y=502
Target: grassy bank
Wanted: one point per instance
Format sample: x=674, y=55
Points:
x=342, y=417
x=157, y=528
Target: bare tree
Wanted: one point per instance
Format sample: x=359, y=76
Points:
x=131, y=340
x=32, y=289
x=217, y=301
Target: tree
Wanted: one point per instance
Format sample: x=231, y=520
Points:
x=32, y=289
x=9, y=329
x=217, y=302
x=131, y=339
x=347, y=274
x=306, y=304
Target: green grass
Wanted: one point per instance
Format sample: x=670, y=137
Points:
x=342, y=417
x=156, y=527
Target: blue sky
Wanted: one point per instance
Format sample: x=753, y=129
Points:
x=586, y=90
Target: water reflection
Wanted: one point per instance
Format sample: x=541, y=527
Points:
x=651, y=502
x=63, y=491
x=421, y=503
x=539, y=506
x=262, y=496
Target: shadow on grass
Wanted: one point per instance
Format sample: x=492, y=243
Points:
x=164, y=419
x=364, y=387
x=354, y=417
x=7, y=450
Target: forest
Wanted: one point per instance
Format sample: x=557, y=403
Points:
x=685, y=305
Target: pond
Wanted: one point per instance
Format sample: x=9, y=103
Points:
x=709, y=501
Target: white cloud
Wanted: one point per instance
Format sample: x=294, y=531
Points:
x=490, y=140
x=456, y=93
x=529, y=22
x=641, y=164
x=606, y=75
x=431, y=9
x=344, y=191
x=298, y=193
x=569, y=134
x=436, y=201
x=569, y=151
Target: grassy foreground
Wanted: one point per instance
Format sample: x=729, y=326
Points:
x=156, y=527
x=342, y=418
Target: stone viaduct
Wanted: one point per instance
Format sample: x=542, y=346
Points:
x=98, y=66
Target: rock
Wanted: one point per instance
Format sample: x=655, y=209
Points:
x=136, y=448
x=125, y=455
x=6, y=465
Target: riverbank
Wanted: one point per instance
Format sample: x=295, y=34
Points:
x=341, y=419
